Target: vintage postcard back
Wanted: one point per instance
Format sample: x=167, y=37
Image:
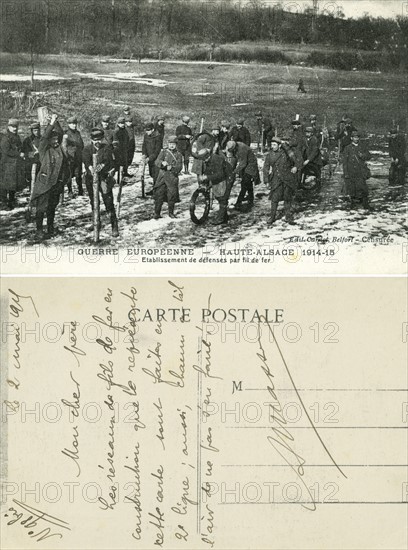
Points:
x=201, y=413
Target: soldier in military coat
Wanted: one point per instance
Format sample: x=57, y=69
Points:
x=279, y=173
x=165, y=189
x=30, y=149
x=356, y=172
x=397, y=150
x=246, y=170
x=184, y=135
x=74, y=144
x=105, y=168
x=12, y=169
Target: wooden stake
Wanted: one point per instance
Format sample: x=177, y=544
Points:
x=96, y=201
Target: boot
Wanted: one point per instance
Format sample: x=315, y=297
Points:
x=171, y=211
x=222, y=215
x=39, y=220
x=114, y=223
x=50, y=223
x=69, y=185
x=186, y=168
x=80, y=189
x=251, y=195
x=157, y=211
x=272, y=217
x=289, y=217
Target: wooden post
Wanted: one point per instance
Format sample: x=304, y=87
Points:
x=120, y=183
x=96, y=209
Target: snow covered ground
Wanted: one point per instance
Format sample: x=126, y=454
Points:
x=320, y=217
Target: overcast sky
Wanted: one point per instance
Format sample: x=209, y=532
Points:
x=351, y=8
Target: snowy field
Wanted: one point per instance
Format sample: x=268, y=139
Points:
x=324, y=215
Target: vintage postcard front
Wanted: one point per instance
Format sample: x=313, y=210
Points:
x=262, y=137
x=204, y=413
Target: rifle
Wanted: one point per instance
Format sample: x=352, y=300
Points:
x=120, y=183
x=262, y=139
x=32, y=181
x=338, y=157
x=96, y=210
x=142, y=177
x=326, y=135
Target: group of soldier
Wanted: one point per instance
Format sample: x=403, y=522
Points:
x=222, y=157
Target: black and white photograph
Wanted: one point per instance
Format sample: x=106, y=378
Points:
x=148, y=124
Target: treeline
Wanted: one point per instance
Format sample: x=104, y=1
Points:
x=143, y=28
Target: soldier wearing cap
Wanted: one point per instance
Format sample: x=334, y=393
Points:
x=184, y=135
x=225, y=134
x=31, y=146
x=240, y=133
x=219, y=174
x=344, y=130
x=151, y=148
x=120, y=142
x=265, y=130
x=215, y=133
x=165, y=189
x=107, y=129
x=279, y=173
x=205, y=140
x=298, y=144
x=397, y=150
x=73, y=144
x=105, y=168
x=312, y=165
x=12, y=170
x=51, y=178
x=130, y=128
x=126, y=111
x=356, y=172
x=159, y=127
x=246, y=170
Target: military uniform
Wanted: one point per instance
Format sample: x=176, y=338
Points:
x=343, y=134
x=30, y=149
x=247, y=170
x=265, y=130
x=241, y=135
x=151, y=148
x=73, y=145
x=219, y=173
x=224, y=138
x=12, y=170
x=184, y=143
x=298, y=145
x=108, y=136
x=313, y=156
x=356, y=172
x=120, y=141
x=104, y=158
x=202, y=141
x=160, y=130
x=165, y=188
x=50, y=180
x=397, y=150
x=280, y=179
x=130, y=129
